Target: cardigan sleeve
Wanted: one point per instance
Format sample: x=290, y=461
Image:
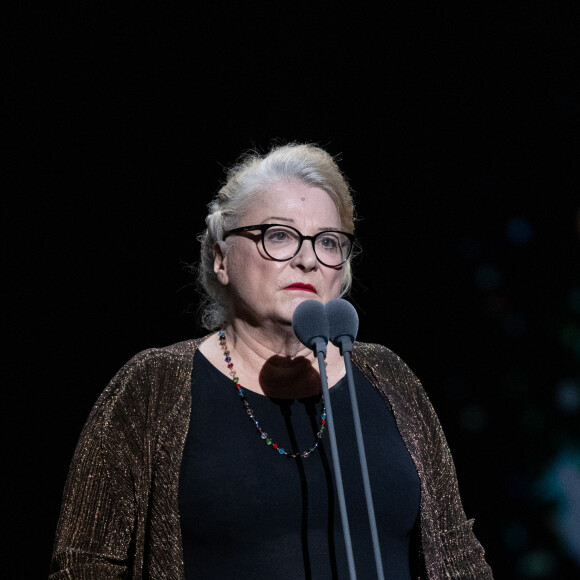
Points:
x=102, y=505
x=449, y=543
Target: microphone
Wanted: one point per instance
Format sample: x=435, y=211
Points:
x=310, y=325
x=342, y=324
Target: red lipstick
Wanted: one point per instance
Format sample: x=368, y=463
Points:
x=301, y=286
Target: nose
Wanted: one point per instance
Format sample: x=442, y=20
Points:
x=306, y=258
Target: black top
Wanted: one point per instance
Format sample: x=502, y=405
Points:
x=249, y=513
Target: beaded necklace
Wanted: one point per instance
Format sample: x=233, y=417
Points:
x=266, y=438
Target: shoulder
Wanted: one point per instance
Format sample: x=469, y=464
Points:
x=369, y=350
x=159, y=359
x=152, y=373
x=400, y=386
x=174, y=352
x=388, y=372
x=379, y=358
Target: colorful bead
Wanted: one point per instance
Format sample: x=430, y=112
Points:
x=264, y=436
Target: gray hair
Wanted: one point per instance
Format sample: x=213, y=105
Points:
x=253, y=174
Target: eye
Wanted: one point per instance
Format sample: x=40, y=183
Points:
x=279, y=236
x=328, y=242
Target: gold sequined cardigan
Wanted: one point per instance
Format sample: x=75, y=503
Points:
x=120, y=512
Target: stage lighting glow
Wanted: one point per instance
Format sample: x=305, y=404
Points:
x=537, y=564
x=561, y=486
x=568, y=397
x=519, y=231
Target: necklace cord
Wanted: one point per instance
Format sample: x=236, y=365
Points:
x=251, y=415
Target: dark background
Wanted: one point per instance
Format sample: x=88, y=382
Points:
x=458, y=129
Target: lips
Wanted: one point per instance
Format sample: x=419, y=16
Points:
x=303, y=287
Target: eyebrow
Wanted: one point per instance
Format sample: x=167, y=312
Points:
x=290, y=220
x=268, y=220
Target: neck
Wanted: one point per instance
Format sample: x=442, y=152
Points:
x=273, y=364
x=260, y=343
x=277, y=365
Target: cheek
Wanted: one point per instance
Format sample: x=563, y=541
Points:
x=248, y=268
x=336, y=282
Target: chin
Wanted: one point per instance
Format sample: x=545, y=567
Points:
x=286, y=311
x=303, y=297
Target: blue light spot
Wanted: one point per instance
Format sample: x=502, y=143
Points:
x=561, y=485
x=519, y=231
x=568, y=397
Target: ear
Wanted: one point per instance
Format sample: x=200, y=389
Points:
x=220, y=263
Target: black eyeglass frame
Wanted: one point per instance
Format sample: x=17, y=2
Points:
x=264, y=227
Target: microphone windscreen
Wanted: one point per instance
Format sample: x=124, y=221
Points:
x=342, y=320
x=310, y=323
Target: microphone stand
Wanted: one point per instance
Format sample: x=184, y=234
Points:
x=320, y=351
x=345, y=346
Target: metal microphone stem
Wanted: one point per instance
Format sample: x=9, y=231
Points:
x=336, y=464
x=363, y=463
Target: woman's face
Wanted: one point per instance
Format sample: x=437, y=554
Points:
x=264, y=291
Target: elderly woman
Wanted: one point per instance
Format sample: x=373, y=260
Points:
x=171, y=480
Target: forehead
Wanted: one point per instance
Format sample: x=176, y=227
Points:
x=294, y=201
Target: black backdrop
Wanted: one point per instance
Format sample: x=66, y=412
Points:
x=458, y=128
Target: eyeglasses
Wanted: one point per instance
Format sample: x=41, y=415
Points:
x=281, y=243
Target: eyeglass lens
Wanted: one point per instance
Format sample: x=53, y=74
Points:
x=282, y=243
